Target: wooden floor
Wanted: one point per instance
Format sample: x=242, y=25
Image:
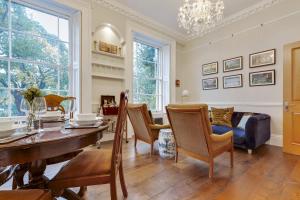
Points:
x=268, y=174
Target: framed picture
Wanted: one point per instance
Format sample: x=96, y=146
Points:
x=210, y=83
x=210, y=68
x=233, y=64
x=263, y=58
x=233, y=81
x=262, y=78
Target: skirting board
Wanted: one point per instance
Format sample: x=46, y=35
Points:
x=276, y=140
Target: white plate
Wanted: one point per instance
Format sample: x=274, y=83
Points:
x=85, y=122
x=6, y=132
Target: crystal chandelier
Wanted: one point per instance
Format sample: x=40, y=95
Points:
x=196, y=16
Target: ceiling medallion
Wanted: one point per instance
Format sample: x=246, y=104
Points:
x=196, y=16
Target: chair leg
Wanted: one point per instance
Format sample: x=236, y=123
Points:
x=231, y=157
x=113, y=189
x=152, y=149
x=82, y=191
x=122, y=181
x=211, y=168
x=176, y=157
x=135, y=141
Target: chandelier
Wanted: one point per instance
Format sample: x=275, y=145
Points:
x=196, y=16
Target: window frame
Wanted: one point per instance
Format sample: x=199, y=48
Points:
x=159, y=97
x=50, y=10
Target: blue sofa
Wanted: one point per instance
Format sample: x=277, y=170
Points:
x=256, y=133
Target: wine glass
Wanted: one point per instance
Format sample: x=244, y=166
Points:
x=39, y=107
x=26, y=108
x=69, y=107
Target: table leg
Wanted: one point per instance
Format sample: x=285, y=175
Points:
x=18, y=175
x=36, y=174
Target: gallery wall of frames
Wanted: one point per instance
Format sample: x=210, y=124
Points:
x=263, y=59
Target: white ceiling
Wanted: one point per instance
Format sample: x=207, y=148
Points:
x=165, y=11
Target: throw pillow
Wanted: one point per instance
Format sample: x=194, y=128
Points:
x=222, y=116
x=243, y=121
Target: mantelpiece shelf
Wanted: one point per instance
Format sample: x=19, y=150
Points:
x=107, y=76
x=107, y=54
x=107, y=65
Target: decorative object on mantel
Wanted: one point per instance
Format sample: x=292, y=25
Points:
x=27, y=107
x=233, y=81
x=210, y=83
x=233, y=64
x=262, y=78
x=184, y=94
x=263, y=58
x=109, y=105
x=210, y=68
x=196, y=16
x=109, y=48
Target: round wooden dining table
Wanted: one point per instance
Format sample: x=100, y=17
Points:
x=32, y=152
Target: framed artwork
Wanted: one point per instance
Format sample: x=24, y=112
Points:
x=262, y=78
x=177, y=83
x=233, y=64
x=233, y=81
x=210, y=68
x=210, y=83
x=263, y=58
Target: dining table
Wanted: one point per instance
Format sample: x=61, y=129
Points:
x=30, y=154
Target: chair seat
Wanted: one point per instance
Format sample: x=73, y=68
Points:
x=25, y=195
x=85, y=164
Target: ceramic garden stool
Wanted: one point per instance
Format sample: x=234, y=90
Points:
x=166, y=144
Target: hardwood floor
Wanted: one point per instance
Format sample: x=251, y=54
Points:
x=268, y=174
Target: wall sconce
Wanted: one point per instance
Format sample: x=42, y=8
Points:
x=184, y=94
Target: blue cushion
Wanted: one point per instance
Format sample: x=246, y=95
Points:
x=239, y=136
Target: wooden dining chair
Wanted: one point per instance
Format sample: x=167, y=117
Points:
x=143, y=125
x=94, y=167
x=54, y=101
x=193, y=134
x=5, y=175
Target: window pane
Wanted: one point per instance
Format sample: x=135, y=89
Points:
x=26, y=75
x=64, y=93
x=28, y=47
x=147, y=86
x=27, y=19
x=46, y=92
x=4, y=13
x=16, y=102
x=150, y=100
x=146, y=69
x=3, y=74
x=4, y=102
x=64, y=79
x=145, y=52
x=64, y=30
x=4, y=43
x=63, y=54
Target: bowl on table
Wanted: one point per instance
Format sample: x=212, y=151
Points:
x=7, y=127
x=86, y=119
x=51, y=115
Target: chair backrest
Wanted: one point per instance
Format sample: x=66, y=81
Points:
x=53, y=102
x=140, y=120
x=191, y=128
x=118, y=138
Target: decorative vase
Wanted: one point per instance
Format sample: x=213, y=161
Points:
x=30, y=119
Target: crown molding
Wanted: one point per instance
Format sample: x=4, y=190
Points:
x=142, y=19
x=252, y=10
x=180, y=37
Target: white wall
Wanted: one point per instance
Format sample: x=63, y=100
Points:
x=281, y=26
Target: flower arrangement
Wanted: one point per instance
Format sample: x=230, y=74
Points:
x=30, y=93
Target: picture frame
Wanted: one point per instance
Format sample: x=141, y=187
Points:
x=233, y=81
x=233, y=64
x=210, y=83
x=210, y=68
x=262, y=78
x=263, y=58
